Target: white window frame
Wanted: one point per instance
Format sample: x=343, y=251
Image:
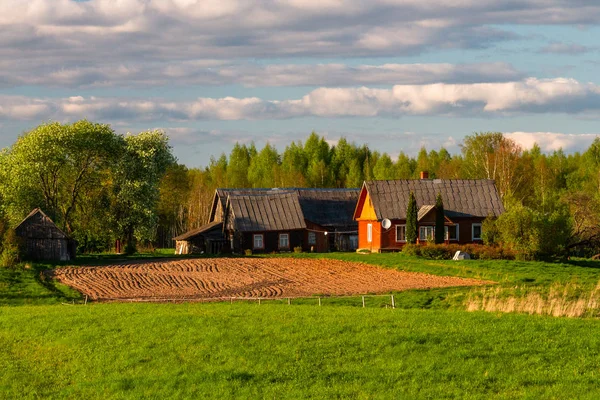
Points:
x=424, y=239
x=370, y=233
x=401, y=240
x=312, y=238
x=473, y=238
x=287, y=239
x=262, y=241
x=446, y=230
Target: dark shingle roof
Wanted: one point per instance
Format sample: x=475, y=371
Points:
x=461, y=197
x=266, y=212
x=325, y=207
x=198, y=231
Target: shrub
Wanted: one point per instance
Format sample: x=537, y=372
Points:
x=298, y=249
x=11, y=249
x=447, y=251
x=248, y=252
x=363, y=251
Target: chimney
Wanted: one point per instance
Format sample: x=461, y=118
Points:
x=424, y=175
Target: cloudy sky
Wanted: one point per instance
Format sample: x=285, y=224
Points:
x=396, y=74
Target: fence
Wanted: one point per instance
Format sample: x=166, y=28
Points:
x=359, y=300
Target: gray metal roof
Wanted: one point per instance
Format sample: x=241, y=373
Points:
x=326, y=207
x=266, y=212
x=461, y=197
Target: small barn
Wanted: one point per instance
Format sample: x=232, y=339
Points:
x=206, y=239
x=43, y=240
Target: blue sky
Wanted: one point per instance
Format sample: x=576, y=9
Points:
x=395, y=74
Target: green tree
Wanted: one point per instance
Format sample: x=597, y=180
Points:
x=439, y=219
x=384, y=168
x=412, y=228
x=238, y=166
x=265, y=168
x=146, y=158
x=55, y=166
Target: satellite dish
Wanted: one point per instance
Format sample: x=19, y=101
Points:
x=386, y=223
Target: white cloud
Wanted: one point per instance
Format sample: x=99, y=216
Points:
x=530, y=96
x=551, y=141
x=213, y=72
x=90, y=42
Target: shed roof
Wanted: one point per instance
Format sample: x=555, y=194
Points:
x=266, y=212
x=199, y=231
x=37, y=225
x=461, y=197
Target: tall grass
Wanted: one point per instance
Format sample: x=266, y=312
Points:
x=559, y=301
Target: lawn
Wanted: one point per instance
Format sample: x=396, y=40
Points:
x=53, y=346
x=278, y=351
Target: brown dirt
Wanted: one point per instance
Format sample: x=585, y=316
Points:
x=219, y=278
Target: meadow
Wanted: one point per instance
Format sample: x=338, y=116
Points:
x=53, y=346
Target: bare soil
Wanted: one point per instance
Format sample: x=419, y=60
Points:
x=220, y=278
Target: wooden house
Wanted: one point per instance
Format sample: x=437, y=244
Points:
x=466, y=204
x=43, y=240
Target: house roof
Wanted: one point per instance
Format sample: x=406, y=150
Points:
x=325, y=207
x=37, y=225
x=266, y=212
x=198, y=231
x=461, y=197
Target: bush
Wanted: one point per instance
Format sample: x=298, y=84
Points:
x=11, y=249
x=298, y=249
x=447, y=251
x=248, y=252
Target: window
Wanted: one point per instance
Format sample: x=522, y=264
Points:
x=426, y=233
x=476, y=231
x=284, y=241
x=369, y=233
x=312, y=238
x=400, y=233
x=258, y=241
x=451, y=232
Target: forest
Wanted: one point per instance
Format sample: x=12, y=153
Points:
x=100, y=187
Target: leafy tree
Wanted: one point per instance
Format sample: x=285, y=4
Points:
x=439, y=219
x=55, y=166
x=146, y=158
x=237, y=167
x=174, y=187
x=384, y=168
x=294, y=165
x=412, y=228
x=265, y=168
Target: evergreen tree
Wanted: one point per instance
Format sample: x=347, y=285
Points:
x=412, y=228
x=439, y=219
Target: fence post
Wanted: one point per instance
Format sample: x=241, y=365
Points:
x=231, y=300
x=363, y=301
x=393, y=304
x=319, y=302
x=259, y=301
x=85, y=303
x=289, y=301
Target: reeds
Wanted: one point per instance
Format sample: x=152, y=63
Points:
x=560, y=300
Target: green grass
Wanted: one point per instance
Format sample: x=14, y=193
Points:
x=428, y=347
x=278, y=351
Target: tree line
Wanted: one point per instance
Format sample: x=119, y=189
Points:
x=101, y=187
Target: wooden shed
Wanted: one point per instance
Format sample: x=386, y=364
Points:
x=43, y=240
x=207, y=239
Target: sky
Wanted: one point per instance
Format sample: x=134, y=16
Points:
x=394, y=74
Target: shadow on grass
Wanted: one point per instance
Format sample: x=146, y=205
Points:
x=585, y=263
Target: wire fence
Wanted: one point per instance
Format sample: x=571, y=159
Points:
x=363, y=301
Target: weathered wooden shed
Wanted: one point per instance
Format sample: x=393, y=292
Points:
x=43, y=240
x=207, y=239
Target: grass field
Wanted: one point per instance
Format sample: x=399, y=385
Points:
x=277, y=351
x=429, y=347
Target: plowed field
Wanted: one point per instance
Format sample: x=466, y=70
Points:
x=219, y=278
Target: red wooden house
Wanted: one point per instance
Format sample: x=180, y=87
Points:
x=466, y=204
